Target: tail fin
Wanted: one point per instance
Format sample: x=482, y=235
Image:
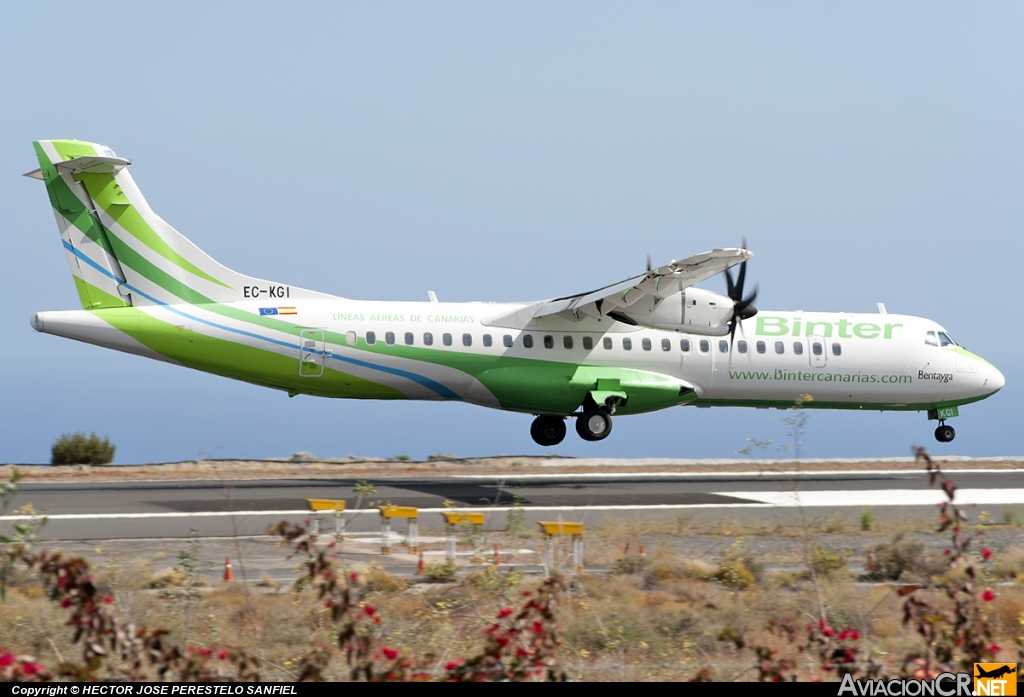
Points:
x=121, y=252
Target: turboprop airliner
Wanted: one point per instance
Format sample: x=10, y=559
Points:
x=651, y=342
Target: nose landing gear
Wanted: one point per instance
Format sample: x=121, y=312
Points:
x=944, y=433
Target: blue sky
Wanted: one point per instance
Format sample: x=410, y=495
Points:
x=488, y=151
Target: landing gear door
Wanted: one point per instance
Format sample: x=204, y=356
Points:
x=817, y=352
x=311, y=353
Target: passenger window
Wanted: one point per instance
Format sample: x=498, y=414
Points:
x=723, y=346
x=467, y=339
x=408, y=338
x=817, y=349
x=798, y=348
x=428, y=339
x=627, y=343
x=567, y=341
x=945, y=340
x=646, y=343
x=528, y=340
x=371, y=338
x=507, y=340
x=684, y=345
x=837, y=349
x=350, y=338
x=588, y=343
x=930, y=339
x=549, y=341
x=761, y=348
x=389, y=338
x=666, y=345
x=780, y=347
x=446, y=339
x=607, y=342
x=705, y=346
x=741, y=346
x=487, y=340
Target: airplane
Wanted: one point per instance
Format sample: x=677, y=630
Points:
x=995, y=672
x=650, y=342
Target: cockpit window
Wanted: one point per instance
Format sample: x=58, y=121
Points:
x=946, y=340
x=930, y=339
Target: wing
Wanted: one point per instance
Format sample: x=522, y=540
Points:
x=650, y=287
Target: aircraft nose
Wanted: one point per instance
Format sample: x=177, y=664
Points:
x=995, y=379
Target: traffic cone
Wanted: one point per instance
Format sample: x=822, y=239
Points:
x=229, y=575
x=497, y=555
x=421, y=567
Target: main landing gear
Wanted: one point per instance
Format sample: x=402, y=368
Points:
x=944, y=433
x=592, y=425
x=548, y=430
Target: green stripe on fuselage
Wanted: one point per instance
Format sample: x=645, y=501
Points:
x=238, y=361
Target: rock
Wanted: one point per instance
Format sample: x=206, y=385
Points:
x=303, y=456
x=442, y=456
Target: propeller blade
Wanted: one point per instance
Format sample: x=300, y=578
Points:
x=648, y=263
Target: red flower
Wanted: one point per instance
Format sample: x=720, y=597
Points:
x=501, y=640
x=843, y=634
x=946, y=552
x=527, y=594
x=65, y=602
x=854, y=634
x=520, y=652
x=452, y=665
x=994, y=648
x=390, y=653
x=205, y=653
x=31, y=668
x=988, y=596
x=504, y=612
x=107, y=599
x=828, y=631
x=222, y=655
x=353, y=577
x=537, y=627
x=821, y=624
x=369, y=610
x=986, y=553
x=376, y=620
x=6, y=659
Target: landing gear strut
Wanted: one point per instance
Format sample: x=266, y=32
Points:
x=944, y=433
x=548, y=430
x=594, y=424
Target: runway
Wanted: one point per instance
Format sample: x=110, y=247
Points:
x=170, y=509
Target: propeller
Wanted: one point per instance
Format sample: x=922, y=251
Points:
x=743, y=308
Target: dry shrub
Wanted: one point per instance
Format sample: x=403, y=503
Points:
x=171, y=577
x=780, y=579
x=440, y=572
x=1008, y=565
x=735, y=575
x=906, y=556
x=378, y=580
x=827, y=561
x=632, y=564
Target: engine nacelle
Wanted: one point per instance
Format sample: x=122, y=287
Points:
x=695, y=311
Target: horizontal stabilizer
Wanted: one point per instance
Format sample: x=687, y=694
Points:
x=92, y=165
